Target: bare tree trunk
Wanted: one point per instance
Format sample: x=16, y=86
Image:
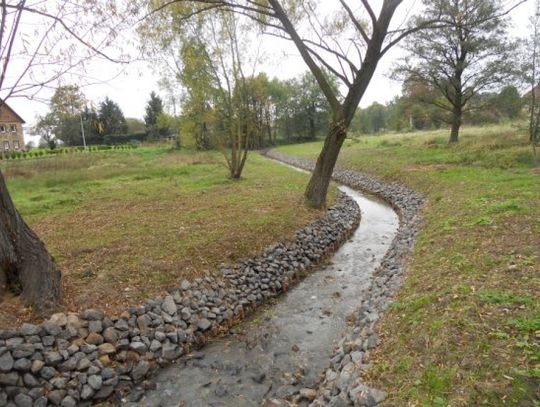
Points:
x=456, y=124
x=320, y=179
x=25, y=264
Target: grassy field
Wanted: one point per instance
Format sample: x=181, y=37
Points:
x=465, y=328
x=125, y=225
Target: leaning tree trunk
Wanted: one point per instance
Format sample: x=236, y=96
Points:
x=320, y=179
x=25, y=265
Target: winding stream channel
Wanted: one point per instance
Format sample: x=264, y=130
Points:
x=285, y=346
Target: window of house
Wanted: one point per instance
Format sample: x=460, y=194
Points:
x=13, y=128
x=6, y=145
x=16, y=144
x=2, y=129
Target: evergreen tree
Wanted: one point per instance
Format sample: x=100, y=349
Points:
x=152, y=118
x=111, y=119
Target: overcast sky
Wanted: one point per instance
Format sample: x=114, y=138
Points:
x=131, y=85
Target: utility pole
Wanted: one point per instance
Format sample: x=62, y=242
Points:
x=82, y=131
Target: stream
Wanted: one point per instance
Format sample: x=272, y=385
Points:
x=286, y=345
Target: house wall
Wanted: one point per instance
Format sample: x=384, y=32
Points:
x=11, y=132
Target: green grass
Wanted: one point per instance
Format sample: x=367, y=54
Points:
x=125, y=225
x=464, y=329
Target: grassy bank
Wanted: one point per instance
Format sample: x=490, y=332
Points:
x=125, y=225
x=465, y=328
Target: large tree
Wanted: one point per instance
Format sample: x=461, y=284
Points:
x=344, y=38
x=468, y=54
x=66, y=106
x=39, y=43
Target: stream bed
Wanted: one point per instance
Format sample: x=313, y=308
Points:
x=285, y=345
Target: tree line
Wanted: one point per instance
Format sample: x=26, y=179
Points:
x=415, y=110
x=73, y=121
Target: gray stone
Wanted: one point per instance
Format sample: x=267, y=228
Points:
x=88, y=348
x=185, y=285
x=59, y=382
x=95, y=326
x=6, y=362
x=47, y=372
x=107, y=373
x=56, y=396
x=92, y=315
x=185, y=313
x=121, y=325
x=169, y=306
x=83, y=364
x=87, y=392
x=110, y=335
x=14, y=342
x=138, y=347
x=69, y=401
x=204, y=324
x=41, y=402
x=140, y=371
x=104, y=392
x=22, y=365
x=30, y=329
x=95, y=382
x=30, y=381
x=48, y=340
x=155, y=345
x=51, y=328
x=171, y=351
x=53, y=358
x=36, y=392
x=22, y=400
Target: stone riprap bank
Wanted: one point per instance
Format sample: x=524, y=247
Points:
x=342, y=383
x=78, y=359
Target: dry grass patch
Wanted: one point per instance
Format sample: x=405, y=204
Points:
x=125, y=226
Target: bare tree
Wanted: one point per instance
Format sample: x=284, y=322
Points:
x=39, y=43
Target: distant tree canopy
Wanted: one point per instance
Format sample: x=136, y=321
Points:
x=135, y=125
x=411, y=111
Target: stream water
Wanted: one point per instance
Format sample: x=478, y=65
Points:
x=286, y=345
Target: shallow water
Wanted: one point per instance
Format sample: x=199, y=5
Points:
x=285, y=345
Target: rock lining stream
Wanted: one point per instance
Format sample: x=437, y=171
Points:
x=282, y=350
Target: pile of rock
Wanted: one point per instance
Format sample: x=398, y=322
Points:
x=342, y=383
x=78, y=359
